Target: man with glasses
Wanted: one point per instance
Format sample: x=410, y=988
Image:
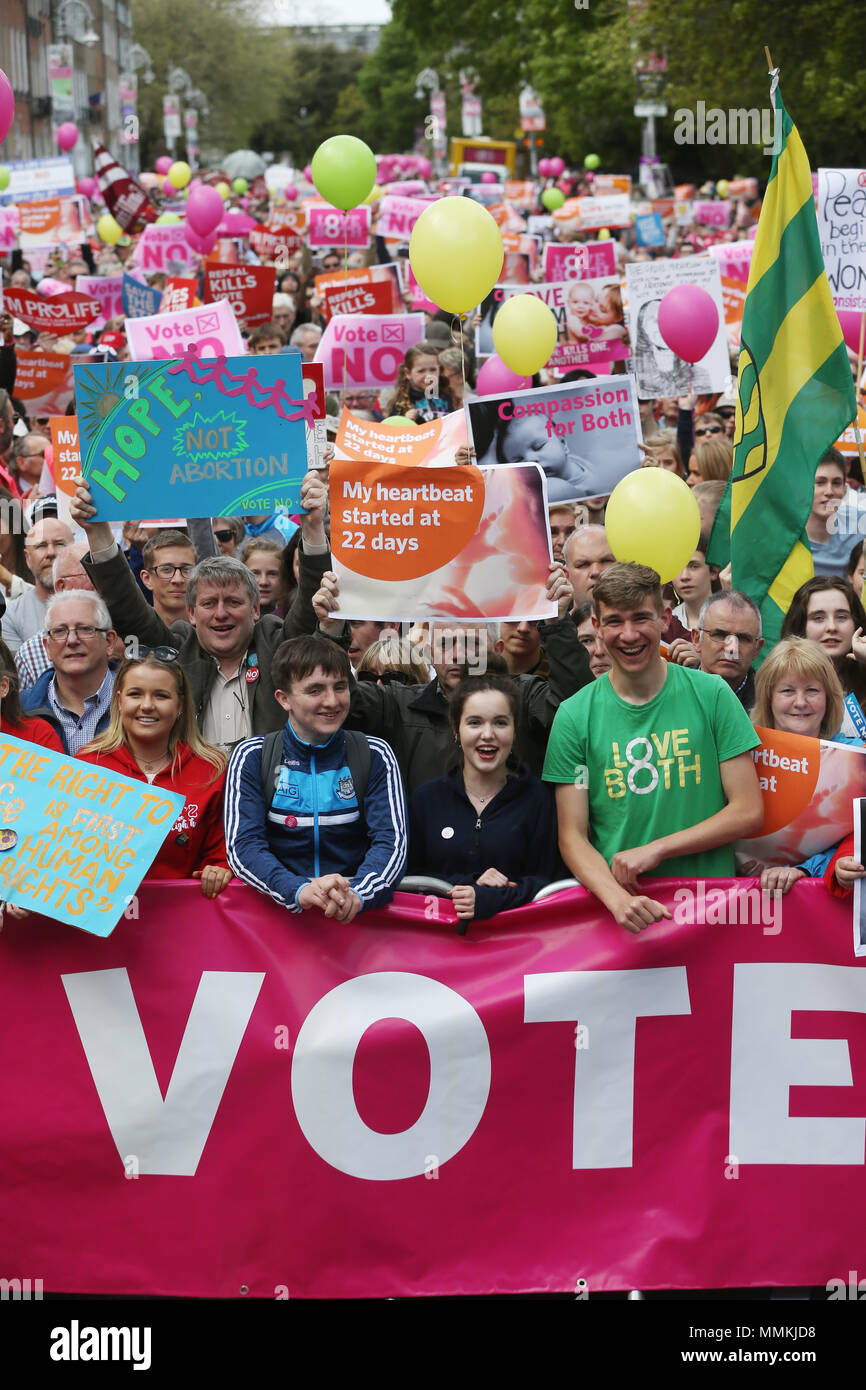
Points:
x=28, y=458
x=25, y=615
x=75, y=696
x=332, y=260
x=708, y=426
x=169, y=559
x=725, y=642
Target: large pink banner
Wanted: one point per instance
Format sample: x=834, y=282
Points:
x=224, y=1097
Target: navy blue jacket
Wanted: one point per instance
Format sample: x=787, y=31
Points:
x=312, y=824
x=516, y=834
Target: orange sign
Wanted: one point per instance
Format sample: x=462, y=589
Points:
x=37, y=218
x=392, y=523
x=733, y=299
x=378, y=443
x=788, y=766
x=847, y=441
x=41, y=373
x=522, y=193
x=66, y=449
x=611, y=183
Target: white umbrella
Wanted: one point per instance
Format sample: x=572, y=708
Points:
x=243, y=164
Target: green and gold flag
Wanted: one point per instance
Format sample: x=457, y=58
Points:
x=795, y=391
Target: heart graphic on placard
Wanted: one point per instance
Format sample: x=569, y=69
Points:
x=391, y=522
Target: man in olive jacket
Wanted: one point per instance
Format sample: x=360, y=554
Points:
x=226, y=648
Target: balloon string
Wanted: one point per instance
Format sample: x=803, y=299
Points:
x=459, y=318
x=346, y=280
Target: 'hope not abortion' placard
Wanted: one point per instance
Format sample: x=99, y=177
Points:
x=193, y=436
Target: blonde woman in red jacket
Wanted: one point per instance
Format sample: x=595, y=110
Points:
x=153, y=735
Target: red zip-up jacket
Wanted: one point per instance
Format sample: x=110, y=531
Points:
x=845, y=850
x=196, y=839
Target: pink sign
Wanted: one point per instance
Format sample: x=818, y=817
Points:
x=711, y=214
x=213, y=332
x=734, y=257
x=547, y=1104
x=107, y=290
x=366, y=350
x=579, y=261
x=163, y=248
x=397, y=216
x=8, y=228
x=328, y=227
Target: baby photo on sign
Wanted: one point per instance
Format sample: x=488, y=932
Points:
x=584, y=434
x=659, y=371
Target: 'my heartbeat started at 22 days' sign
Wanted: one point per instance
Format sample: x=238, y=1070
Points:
x=193, y=436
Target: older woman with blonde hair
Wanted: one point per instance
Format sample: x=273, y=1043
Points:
x=798, y=691
x=712, y=459
x=393, y=658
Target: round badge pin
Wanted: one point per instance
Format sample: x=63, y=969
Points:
x=251, y=674
x=448, y=832
x=8, y=839
x=291, y=822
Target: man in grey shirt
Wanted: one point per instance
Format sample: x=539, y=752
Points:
x=25, y=615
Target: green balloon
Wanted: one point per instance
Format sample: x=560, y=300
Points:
x=553, y=198
x=344, y=171
x=397, y=422
x=240, y=185
x=592, y=161
x=4, y=177
x=167, y=219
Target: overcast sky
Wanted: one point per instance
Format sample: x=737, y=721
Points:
x=325, y=12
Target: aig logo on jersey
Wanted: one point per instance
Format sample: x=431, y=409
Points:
x=345, y=789
x=651, y=761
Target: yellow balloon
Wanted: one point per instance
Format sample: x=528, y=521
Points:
x=524, y=334
x=179, y=174
x=455, y=251
x=652, y=518
x=222, y=189
x=109, y=230
x=374, y=195
x=603, y=235
x=722, y=188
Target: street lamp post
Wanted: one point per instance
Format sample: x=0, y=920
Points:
x=74, y=25
x=134, y=58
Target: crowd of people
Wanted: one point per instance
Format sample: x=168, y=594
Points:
x=324, y=761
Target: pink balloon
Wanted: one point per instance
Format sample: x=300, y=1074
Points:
x=495, y=379
x=291, y=192
x=49, y=287
x=87, y=186
x=163, y=164
x=308, y=173
x=7, y=106
x=424, y=167
x=688, y=321
x=245, y=202
x=850, y=321
x=204, y=210
x=488, y=176
x=208, y=243
x=544, y=168
x=193, y=238
x=67, y=135
x=196, y=183
x=556, y=165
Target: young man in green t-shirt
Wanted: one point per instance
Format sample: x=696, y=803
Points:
x=651, y=760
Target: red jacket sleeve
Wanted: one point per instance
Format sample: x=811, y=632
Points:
x=213, y=845
x=846, y=848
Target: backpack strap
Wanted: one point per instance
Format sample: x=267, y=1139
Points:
x=358, y=757
x=272, y=751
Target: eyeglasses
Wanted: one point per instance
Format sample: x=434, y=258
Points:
x=224, y=536
x=719, y=636
x=386, y=677
x=61, y=633
x=161, y=653
x=169, y=571
x=709, y=429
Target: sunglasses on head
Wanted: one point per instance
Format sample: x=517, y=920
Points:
x=161, y=653
x=386, y=677
x=224, y=536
